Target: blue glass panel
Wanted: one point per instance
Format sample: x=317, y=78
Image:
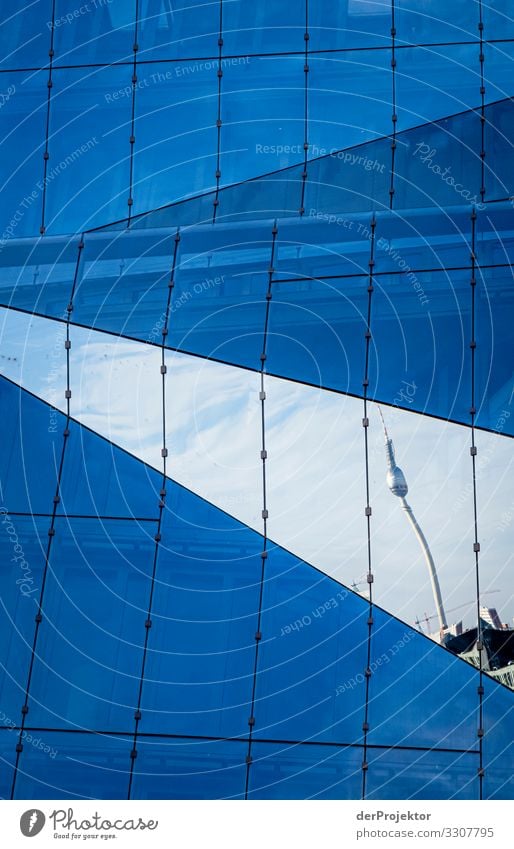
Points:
x=349, y=23
x=78, y=766
x=316, y=332
x=495, y=348
x=124, y=283
x=495, y=235
x=8, y=742
x=37, y=275
x=276, y=194
x=350, y=99
x=498, y=20
x=100, y=31
x=175, y=131
x=90, y=644
x=218, y=303
x=87, y=181
x=498, y=60
x=499, y=168
x=186, y=769
x=25, y=33
x=305, y=772
x=320, y=244
x=439, y=164
x=199, y=668
x=260, y=28
x=260, y=133
x=424, y=239
x=23, y=544
x=184, y=29
x=310, y=681
x=432, y=83
x=420, y=693
x=355, y=180
x=498, y=745
x=100, y=479
x=32, y=444
x=419, y=322
x=423, y=22
x=396, y=774
x=22, y=134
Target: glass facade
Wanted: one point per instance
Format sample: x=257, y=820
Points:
x=242, y=248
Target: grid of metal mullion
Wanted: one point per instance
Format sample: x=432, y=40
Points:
x=367, y=509
x=482, y=102
x=476, y=544
x=51, y=530
x=394, y=115
x=264, y=514
x=306, y=37
x=161, y=506
x=46, y=153
x=212, y=58
x=216, y=200
x=327, y=744
x=132, y=137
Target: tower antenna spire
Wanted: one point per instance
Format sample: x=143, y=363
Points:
x=398, y=485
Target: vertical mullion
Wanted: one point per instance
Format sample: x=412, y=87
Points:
x=394, y=115
x=367, y=509
x=306, y=117
x=46, y=154
x=161, y=505
x=473, y=452
x=264, y=514
x=482, y=103
x=51, y=530
x=217, y=175
x=132, y=137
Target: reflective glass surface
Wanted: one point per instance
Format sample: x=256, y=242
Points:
x=218, y=305
x=123, y=286
x=100, y=479
x=432, y=82
x=440, y=685
x=256, y=28
x=189, y=769
x=498, y=743
x=422, y=775
x=37, y=276
x=32, y=440
x=349, y=99
x=87, y=179
x=439, y=164
x=25, y=33
x=183, y=29
x=202, y=647
x=74, y=766
x=498, y=132
x=22, y=132
x=279, y=771
x=256, y=136
x=91, y=33
x=314, y=643
x=7, y=760
x=350, y=23
x=175, y=132
x=23, y=545
x=425, y=22
x=90, y=647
